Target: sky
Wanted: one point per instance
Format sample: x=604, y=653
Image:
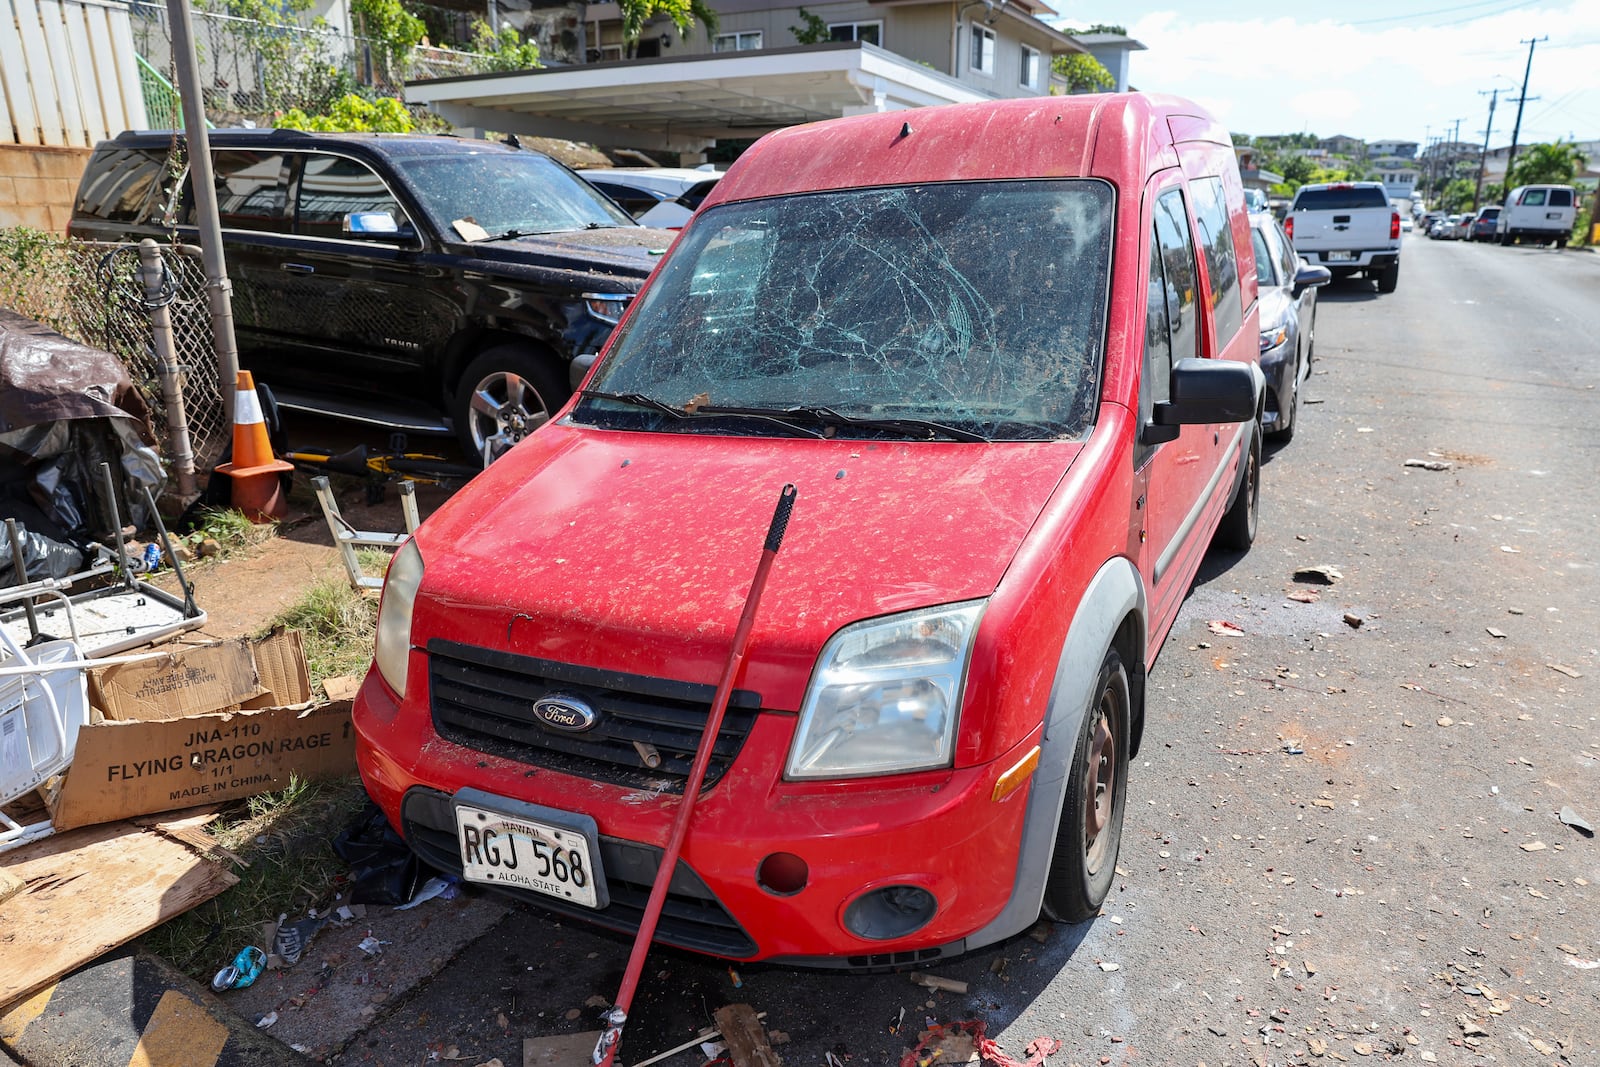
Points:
x=1375, y=69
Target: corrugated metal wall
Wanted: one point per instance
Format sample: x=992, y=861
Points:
x=68, y=73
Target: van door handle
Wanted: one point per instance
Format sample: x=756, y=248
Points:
x=298, y=268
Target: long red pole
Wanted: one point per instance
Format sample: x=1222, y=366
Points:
x=605, y=1049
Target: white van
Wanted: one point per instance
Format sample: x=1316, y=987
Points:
x=1538, y=213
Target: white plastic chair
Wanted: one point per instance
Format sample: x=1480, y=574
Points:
x=44, y=699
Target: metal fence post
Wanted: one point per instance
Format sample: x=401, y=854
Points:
x=158, y=292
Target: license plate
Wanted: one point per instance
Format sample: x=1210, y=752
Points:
x=1338, y=257
x=525, y=846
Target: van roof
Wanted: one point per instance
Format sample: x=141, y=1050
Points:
x=1114, y=135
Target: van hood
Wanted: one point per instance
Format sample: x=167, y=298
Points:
x=635, y=552
x=632, y=250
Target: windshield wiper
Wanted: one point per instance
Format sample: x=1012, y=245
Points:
x=916, y=427
x=640, y=400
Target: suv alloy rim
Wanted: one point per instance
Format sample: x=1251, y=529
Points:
x=505, y=408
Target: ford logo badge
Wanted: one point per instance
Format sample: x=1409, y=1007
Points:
x=565, y=713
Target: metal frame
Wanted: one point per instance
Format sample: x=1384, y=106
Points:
x=347, y=538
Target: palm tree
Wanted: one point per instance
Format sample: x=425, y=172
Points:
x=1547, y=164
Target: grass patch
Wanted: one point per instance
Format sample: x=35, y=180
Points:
x=337, y=624
x=287, y=836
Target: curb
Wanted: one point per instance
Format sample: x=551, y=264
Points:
x=133, y=1008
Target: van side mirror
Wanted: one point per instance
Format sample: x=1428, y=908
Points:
x=1205, y=391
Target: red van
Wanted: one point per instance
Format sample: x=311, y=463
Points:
x=1007, y=353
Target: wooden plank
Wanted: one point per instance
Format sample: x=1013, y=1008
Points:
x=14, y=80
x=105, y=67
x=746, y=1037
x=10, y=885
x=90, y=890
x=82, y=60
x=559, y=1050
x=58, y=57
x=38, y=63
x=130, y=91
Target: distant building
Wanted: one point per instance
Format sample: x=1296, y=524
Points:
x=1342, y=145
x=1395, y=149
x=1251, y=175
x=1399, y=175
x=1112, y=50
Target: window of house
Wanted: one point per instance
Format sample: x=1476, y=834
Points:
x=982, y=54
x=870, y=32
x=1030, y=68
x=331, y=187
x=1216, y=240
x=743, y=41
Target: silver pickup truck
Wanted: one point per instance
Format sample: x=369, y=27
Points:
x=1348, y=227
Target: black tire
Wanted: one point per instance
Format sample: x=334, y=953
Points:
x=505, y=394
x=1084, y=863
x=1237, y=530
x=1311, y=341
x=1388, y=278
x=1289, y=414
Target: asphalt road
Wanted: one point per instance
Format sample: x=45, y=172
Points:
x=1342, y=841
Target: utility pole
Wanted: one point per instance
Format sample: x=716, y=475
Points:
x=1454, y=153
x=1522, y=98
x=1483, y=157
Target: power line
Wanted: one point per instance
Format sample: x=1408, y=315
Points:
x=1424, y=14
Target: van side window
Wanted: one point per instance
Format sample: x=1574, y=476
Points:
x=1216, y=238
x=1533, y=198
x=1561, y=198
x=1155, y=380
x=331, y=187
x=117, y=186
x=1177, y=257
x=251, y=194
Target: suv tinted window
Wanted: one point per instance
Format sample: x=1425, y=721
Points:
x=331, y=187
x=1216, y=240
x=697, y=194
x=1338, y=199
x=117, y=185
x=251, y=192
x=634, y=201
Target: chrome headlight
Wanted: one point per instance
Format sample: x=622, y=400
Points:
x=607, y=307
x=1274, y=337
x=392, y=645
x=886, y=695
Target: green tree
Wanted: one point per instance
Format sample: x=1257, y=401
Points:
x=1083, y=72
x=351, y=113
x=1547, y=164
x=505, y=50
x=1099, y=27
x=1456, y=197
x=683, y=13
x=813, y=31
x=387, y=22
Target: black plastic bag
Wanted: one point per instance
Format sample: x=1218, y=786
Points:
x=383, y=870
x=44, y=557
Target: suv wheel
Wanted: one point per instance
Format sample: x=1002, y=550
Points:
x=504, y=395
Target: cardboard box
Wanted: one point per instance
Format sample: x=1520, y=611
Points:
x=135, y=766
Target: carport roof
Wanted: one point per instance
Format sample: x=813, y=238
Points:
x=684, y=103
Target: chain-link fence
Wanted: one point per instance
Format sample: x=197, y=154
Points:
x=252, y=69
x=94, y=294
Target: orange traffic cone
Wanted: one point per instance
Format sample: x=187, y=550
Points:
x=257, y=489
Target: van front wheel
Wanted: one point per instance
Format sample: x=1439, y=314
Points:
x=1090, y=832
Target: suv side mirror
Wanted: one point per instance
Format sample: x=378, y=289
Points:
x=1205, y=391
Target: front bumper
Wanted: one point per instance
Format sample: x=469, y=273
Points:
x=1278, y=367
x=938, y=831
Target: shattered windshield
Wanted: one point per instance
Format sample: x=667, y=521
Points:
x=972, y=310
x=479, y=195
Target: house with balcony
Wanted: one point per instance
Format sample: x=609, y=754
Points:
x=1392, y=149
x=680, y=94
x=1398, y=174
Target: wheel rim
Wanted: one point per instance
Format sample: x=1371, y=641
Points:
x=504, y=409
x=1254, y=474
x=1100, y=787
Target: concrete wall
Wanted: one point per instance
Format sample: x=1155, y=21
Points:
x=37, y=185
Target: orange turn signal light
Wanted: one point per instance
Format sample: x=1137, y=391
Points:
x=1017, y=776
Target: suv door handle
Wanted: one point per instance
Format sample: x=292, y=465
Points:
x=298, y=268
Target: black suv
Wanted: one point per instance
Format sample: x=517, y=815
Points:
x=421, y=283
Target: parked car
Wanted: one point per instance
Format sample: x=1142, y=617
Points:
x=430, y=284
x=1539, y=213
x=1406, y=225
x=1288, y=286
x=1483, y=223
x=661, y=196
x=1428, y=220
x=1015, y=389
x=1349, y=227
x=1445, y=228
x=1462, y=228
